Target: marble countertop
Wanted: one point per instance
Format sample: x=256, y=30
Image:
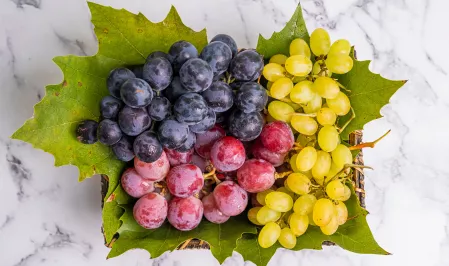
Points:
x=48, y=218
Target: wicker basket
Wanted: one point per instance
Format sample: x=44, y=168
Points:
x=358, y=181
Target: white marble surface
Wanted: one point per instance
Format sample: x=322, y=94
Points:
x=47, y=218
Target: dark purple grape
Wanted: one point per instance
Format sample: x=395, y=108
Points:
x=147, y=147
x=86, y=132
x=218, y=55
x=190, y=108
x=219, y=96
x=189, y=143
x=222, y=118
x=123, y=149
x=228, y=41
x=116, y=79
x=172, y=134
x=136, y=93
x=180, y=52
x=109, y=132
x=196, y=75
x=133, y=121
x=158, y=73
x=245, y=126
x=157, y=54
x=110, y=106
x=137, y=70
x=159, y=108
x=204, y=125
x=246, y=65
x=251, y=97
x=174, y=90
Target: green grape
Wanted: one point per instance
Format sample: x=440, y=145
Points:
x=302, y=92
x=280, y=111
x=314, y=105
x=273, y=72
x=305, y=140
x=299, y=47
x=266, y=215
x=304, y=124
x=323, y=211
x=298, y=65
x=306, y=158
x=298, y=183
x=279, y=201
x=260, y=197
x=331, y=227
x=269, y=84
x=340, y=105
x=269, y=234
x=287, y=239
x=281, y=88
x=292, y=163
x=320, y=42
x=316, y=70
x=341, y=155
x=278, y=59
x=298, y=223
x=347, y=194
x=296, y=79
x=322, y=165
x=341, y=213
x=311, y=222
x=304, y=204
x=335, y=189
x=328, y=138
x=341, y=46
x=339, y=64
x=286, y=191
x=325, y=116
x=252, y=215
x=326, y=87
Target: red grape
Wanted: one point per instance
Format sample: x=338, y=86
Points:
x=154, y=171
x=185, y=213
x=177, y=158
x=228, y=154
x=200, y=162
x=135, y=185
x=256, y=175
x=260, y=152
x=211, y=211
x=150, y=211
x=277, y=137
x=230, y=198
x=205, y=141
x=184, y=180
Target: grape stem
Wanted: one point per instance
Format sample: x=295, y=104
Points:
x=347, y=166
x=347, y=122
x=369, y=144
x=303, y=114
x=343, y=87
x=211, y=176
x=282, y=175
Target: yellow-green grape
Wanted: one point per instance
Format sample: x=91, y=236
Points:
x=325, y=116
x=287, y=239
x=339, y=64
x=304, y=204
x=278, y=59
x=347, y=194
x=320, y=42
x=314, y=105
x=252, y=215
x=322, y=165
x=320, y=181
x=331, y=227
x=260, y=197
x=326, y=87
x=316, y=70
x=281, y=88
x=305, y=140
x=286, y=191
x=273, y=72
x=335, y=189
x=341, y=213
x=306, y=158
x=308, y=174
x=298, y=223
x=266, y=215
x=323, y=211
x=296, y=79
x=298, y=183
x=328, y=138
x=298, y=65
x=341, y=155
x=311, y=222
x=279, y=201
x=269, y=234
x=340, y=104
x=299, y=47
x=293, y=163
x=341, y=46
x=304, y=124
x=302, y=92
x=269, y=84
x=280, y=111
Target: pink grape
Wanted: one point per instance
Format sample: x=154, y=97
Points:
x=277, y=137
x=205, y=141
x=135, y=185
x=185, y=180
x=150, y=211
x=230, y=198
x=256, y=175
x=211, y=211
x=154, y=171
x=185, y=213
x=199, y=161
x=177, y=158
x=228, y=154
x=260, y=152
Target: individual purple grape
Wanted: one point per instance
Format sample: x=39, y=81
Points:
x=158, y=73
x=86, y=132
x=230, y=198
x=205, y=141
x=185, y=213
x=218, y=55
x=204, y=125
x=184, y=180
x=177, y=158
x=211, y=211
x=159, y=108
x=134, y=184
x=157, y=54
x=227, y=154
x=180, y=52
x=150, y=211
x=110, y=107
x=123, y=149
x=246, y=65
x=228, y=41
x=245, y=126
x=260, y=152
x=136, y=93
x=251, y=97
x=188, y=144
x=196, y=75
x=174, y=90
x=109, y=132
x=256, y=175
x=199, y=161
x=133, y=121
x=277, y=137
x=219, y=96
x=147, y=147
x=154, y=171
x=116, y=79
x=172, y=134
x=190, y=109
